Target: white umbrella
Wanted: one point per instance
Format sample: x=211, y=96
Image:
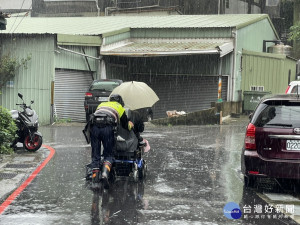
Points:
x=136, y=95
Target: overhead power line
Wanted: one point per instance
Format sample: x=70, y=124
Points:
x=17, y=16
x=21, y=20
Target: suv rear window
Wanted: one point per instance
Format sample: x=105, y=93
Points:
x=296, y=89
x=280, y=114
x=104, y=85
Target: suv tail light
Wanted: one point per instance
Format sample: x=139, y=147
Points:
x=88, y=94
x=287, y=89
x=250, y=137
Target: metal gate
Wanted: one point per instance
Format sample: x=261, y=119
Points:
x=187, y=93
x=69, y=90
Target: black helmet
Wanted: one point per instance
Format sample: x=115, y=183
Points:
x=116, y=98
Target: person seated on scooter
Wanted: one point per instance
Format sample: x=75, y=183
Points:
x=107, y=116
x=139, y=126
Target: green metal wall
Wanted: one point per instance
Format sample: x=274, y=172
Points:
x=290, y=64
x=250, y=38
x=69, y=60
x=35, y=81
x=109, y=38
x=268, y=70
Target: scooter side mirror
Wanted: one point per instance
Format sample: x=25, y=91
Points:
x=31, y=102
x=20, y=96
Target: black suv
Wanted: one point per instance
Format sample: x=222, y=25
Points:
x=98, y=92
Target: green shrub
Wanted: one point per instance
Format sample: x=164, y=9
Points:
x=7, y=131
x=59, y=121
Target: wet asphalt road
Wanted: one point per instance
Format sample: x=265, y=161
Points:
x=193, y=172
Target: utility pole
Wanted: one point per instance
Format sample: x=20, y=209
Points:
x=262, y=4
x=296, y=16
x=250, y=3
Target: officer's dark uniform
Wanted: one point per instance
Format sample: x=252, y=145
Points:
x=138, y=122
x=106, y=117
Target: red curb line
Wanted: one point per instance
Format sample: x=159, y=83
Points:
x=18, y=191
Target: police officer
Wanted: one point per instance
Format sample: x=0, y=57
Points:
x=138, y=122
x=107, y=116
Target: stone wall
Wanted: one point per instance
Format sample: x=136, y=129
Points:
x=228, y=108
x=203, y=117
x=207, y=116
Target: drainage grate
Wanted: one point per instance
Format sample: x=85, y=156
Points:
x=18, y=166
x=7, y=175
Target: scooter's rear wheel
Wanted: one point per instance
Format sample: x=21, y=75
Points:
x=34, y=144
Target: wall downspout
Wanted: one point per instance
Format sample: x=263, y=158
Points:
x=101, y=64
x=87, y=61
x=220, y=80
x=229, y=91
x=233, y=77
x=102, y=69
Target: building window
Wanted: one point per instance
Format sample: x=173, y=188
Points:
x=227, y=4
x=272, y=2
x=257, y=88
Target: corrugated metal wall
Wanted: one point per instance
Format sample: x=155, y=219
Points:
x=290, y=66
x=117, y=37
x=68, y=60
x=72, y=80
x=250, y=38
x=182, y=32
x=268, y=70
x=35, y=81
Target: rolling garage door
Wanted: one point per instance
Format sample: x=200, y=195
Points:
x=183, y=92
x=69, y=90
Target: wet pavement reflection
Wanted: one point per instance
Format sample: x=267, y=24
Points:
x=193, y=172
x=118, y=205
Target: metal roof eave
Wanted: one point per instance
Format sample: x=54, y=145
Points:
x=159, y=53
x=113, y=25
x=167, y=47
x=225, y=48
x=82, y=40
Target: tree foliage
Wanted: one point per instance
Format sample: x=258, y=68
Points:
x=7, y=131
x=9, y=66
x=295, y=32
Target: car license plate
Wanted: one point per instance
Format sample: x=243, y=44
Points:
x=293, y=145
x=103, y=99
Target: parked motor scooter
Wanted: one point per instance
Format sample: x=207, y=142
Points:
x=27, y=124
